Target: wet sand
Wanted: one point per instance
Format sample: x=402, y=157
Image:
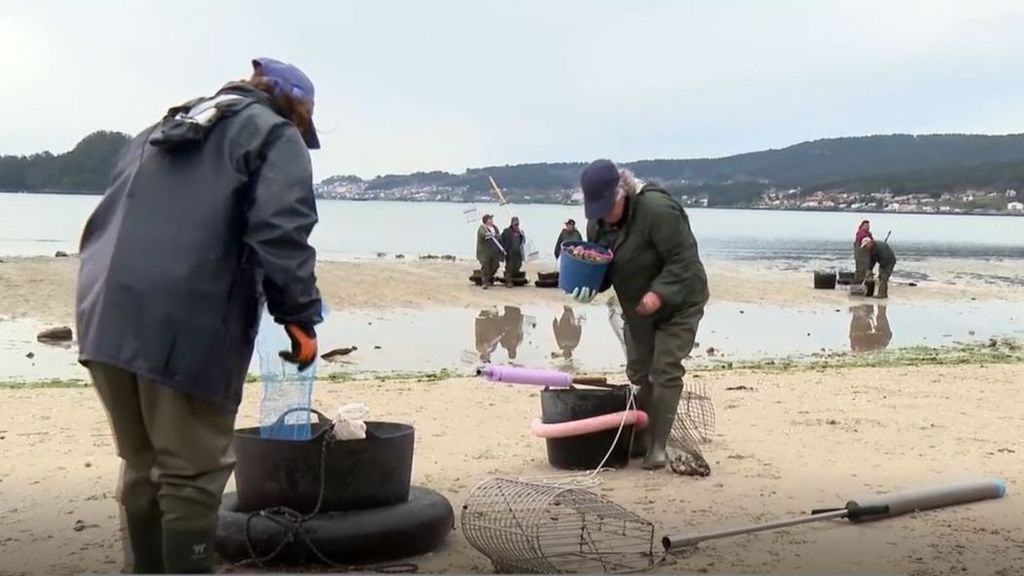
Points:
x=785, y=443
x=44, y=288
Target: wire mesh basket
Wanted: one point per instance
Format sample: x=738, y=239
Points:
x=538, y=528
x=696, y=413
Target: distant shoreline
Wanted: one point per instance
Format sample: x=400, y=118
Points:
x=759, y=208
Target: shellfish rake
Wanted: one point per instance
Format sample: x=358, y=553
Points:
x=878, y=508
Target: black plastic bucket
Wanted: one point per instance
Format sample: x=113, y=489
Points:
x=365, y=473
x=587, y=451
x=824, y=280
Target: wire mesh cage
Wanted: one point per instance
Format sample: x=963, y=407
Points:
x=696, y=413
x=694, y=424
x=538, y=528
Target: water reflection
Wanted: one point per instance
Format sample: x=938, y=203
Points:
x=568, y=331
x=869, y=328
x=493, y=329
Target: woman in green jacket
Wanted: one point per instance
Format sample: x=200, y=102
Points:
x=661, y=285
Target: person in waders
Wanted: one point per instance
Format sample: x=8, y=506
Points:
x=568, y=234
x=882, y=255
x=661, y=285
x=489, y=251
x=209, y=212
x=513, y=242
x=861, y=256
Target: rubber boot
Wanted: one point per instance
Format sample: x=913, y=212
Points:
x=145, y=542
x=190, y=550
x=664, y=403
x=641, y=437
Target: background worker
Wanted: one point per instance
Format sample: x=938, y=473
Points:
x=861, y=256
x=489, y=252
x=660, y=283
x=568, y=234
x=513, y=241
x=203, y=205
x=881, y=253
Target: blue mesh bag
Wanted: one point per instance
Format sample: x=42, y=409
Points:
x=287, y=393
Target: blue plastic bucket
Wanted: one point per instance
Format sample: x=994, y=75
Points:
x=574, y=273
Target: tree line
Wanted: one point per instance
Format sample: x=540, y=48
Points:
x=902, y=164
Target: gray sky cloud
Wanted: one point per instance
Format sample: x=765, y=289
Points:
x=446, y=84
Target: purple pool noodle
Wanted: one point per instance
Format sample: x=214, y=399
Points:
x=515, y=375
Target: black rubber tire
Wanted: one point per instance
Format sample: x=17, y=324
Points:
x=517, y=281
x=824, y=280
x=417, y=526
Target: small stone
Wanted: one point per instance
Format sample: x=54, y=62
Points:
x=88, y=464
x=30, y=355
x=60, y=254
x=59, y=334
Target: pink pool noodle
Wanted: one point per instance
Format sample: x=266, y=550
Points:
x=588, y=425
x=515, y=375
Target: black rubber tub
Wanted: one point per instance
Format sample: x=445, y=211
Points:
x=585, y=452
x=824, y=280
x=519, y=279
x=365, y=473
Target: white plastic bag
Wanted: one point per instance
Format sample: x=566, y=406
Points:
x=349, y=424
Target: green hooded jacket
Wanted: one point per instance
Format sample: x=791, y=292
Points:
x=882, y=254
x=654, y=250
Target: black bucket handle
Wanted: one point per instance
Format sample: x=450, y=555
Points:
x=325, y=422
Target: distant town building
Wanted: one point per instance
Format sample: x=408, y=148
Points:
x=1015, y=206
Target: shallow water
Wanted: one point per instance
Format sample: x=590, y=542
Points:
x=581, y=338
x=40, y=224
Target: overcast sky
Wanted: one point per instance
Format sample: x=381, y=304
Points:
x=428, y=85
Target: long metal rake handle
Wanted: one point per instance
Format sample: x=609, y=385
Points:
x=885, y=506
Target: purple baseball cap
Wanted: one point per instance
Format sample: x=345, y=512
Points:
x=599, y=181
x=296, y=84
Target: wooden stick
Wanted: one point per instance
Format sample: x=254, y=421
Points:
x=589, y=380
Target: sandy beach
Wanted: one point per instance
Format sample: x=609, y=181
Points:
x=44, y=288
x=786, y=441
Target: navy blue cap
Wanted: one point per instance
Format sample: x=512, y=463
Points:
x=296, y=84
x=599, y=181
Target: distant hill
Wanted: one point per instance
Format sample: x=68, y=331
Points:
x=84, y=170
x=901, y=164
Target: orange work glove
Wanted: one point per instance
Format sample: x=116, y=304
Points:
x=304, y=347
